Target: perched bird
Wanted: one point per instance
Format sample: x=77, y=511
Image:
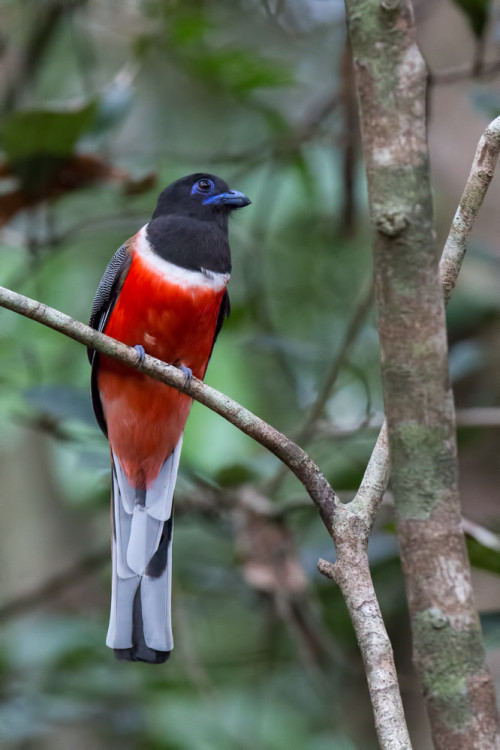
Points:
x=163, y=292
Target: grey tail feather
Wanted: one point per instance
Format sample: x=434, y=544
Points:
x=140, y=626
x=140, y=651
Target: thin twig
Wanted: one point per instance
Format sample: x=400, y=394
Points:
x=265, y=151
x=484, y=536
x=464, y=73
x=376, y=477
x=479, y=416
x=353, y=327
x=47, y=21
x=375, y=480
x=481, y=174
x=473, y=416
x=55, y=586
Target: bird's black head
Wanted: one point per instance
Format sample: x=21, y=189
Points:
x=201, y=196
x=189, y=225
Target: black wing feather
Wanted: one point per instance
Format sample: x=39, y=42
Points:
x=107, y=291
x=104, y=302
x=224, y=311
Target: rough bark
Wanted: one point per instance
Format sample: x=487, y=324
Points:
x=351, y=571
x=448, y=651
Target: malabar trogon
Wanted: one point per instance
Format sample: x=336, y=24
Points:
x=164, y=292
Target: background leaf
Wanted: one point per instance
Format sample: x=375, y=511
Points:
x=477, y=12
x=45, y=132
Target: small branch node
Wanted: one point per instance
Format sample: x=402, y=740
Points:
x=390, y=6
x=392, y=223
x=436, y=618
x=326, y=568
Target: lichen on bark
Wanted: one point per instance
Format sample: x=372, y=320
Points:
x=451, y=658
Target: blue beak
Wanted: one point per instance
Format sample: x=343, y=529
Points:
x=233, y=198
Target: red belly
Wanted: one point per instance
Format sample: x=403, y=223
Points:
x=174, y=323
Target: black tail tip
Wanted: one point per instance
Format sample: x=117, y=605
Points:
x=145, y=654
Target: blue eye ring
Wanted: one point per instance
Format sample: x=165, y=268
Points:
x=203, y=186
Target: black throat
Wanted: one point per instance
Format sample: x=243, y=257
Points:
x=191, y=243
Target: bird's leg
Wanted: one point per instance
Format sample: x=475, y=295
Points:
x=141, y=354
x=187, y=372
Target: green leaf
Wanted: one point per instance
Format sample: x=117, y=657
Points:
x=238, y=71
x=477, y=12
x=61, y=402
x=482, y=557
x=490, y=624
x=188, y=26
x=487, y=102
x=234, y=475
x=45, y=132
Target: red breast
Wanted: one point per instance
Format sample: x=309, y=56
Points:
x=173, y=314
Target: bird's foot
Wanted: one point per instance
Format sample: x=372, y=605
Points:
x=140, y=353
x=187, y=372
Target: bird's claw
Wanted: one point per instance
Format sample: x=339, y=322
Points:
x=187, y=372
x=141, y=354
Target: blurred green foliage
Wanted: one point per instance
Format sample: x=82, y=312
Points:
x=38, y=132
x=477, y=13
x=251, y=91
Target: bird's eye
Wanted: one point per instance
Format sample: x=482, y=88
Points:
x=203, y=186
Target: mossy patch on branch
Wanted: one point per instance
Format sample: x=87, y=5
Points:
x=444, y=652
x=428, y=468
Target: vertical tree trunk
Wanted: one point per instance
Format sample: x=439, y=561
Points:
x=448, y=651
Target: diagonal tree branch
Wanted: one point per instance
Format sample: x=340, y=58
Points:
x=307, y=430
x=353, y=328
x=56, y=585
x=48, y=19
x=285, y=449
x=349, y=531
